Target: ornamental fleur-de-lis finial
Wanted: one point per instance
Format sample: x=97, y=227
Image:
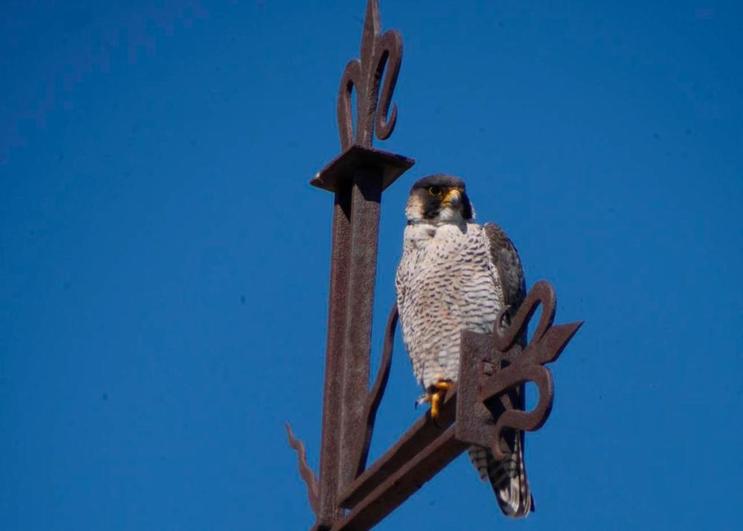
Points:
x=365, y=75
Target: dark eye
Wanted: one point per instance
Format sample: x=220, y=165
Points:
x=434, y=191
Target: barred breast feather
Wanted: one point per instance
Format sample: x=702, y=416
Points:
x=453, y=277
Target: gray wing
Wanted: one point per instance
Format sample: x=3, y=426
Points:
x=506, y=260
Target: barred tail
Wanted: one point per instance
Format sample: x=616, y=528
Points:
x=507, y=477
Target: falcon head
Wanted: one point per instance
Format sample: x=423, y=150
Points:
x=439, y=198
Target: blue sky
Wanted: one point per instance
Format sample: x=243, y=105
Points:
x=164, y=262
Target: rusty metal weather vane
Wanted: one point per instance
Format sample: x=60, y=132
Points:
x=348, y=494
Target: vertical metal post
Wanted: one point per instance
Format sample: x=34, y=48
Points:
x=352, y=280
x=366, y=195
x=334, y=366
x=358, y=185
x=357, y=178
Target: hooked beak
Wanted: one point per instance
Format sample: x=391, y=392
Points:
x=452, y=198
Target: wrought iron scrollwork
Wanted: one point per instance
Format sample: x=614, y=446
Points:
x=493, y=364
x=379, y=65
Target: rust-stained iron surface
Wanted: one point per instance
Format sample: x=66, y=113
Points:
x=422, y=433
x=366, y=195
x=389, y=165
x=399, y=485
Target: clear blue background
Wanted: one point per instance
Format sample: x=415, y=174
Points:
x=164, y=263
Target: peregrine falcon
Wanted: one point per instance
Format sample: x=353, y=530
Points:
x=453, y=275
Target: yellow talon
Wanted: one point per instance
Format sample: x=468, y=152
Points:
x=435, y=397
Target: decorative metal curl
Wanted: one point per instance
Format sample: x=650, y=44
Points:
x=374, y=398
x=373, y=113
x=496, y=363
x=313, y=489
